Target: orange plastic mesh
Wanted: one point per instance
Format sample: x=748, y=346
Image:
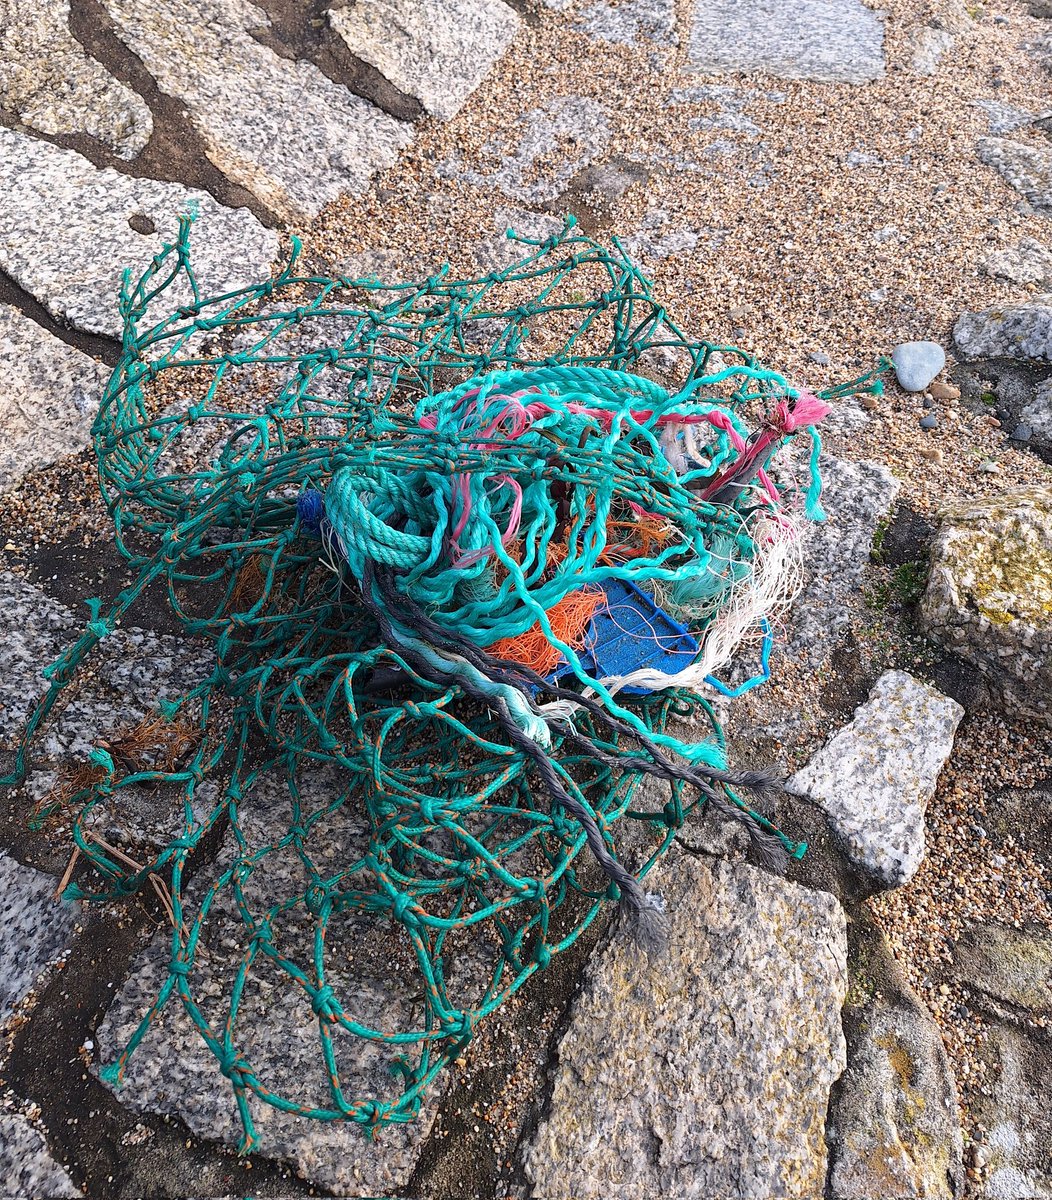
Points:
x=569, y=620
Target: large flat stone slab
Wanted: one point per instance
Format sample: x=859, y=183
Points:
x=706, y=1073
x=1012, y=968
x=368, y=964
x=66, y=237
x=1019, y=331
x=280, y=128
x=875, y=777
x=1029, y=262
x=36, y=930
x=856, y=497
x=132, y=670
x=50, y=399
x=894, y=1127
x=26, y=1166
x=124, y=679
x=831, y=41
x=50, y=81
x=631, y=22
x=437, y=51
x=1013, y=1108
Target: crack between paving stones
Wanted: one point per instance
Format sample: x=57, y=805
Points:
x=299, y=31
x=447, y=1164
x=176, y=151
x=95, y=345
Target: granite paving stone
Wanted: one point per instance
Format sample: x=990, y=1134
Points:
x=279, y=127
x=707, y=1073
x=36, y=930
x=1028, y=262
x=831, y=41
x=1026, y=168
x=894, y=1128
x=989, y=595
x=50, y=400
x=369, y=965
x=1020, y=331
x=50, y=81
x=26, y=1167
x=564, y=136
x=631, y=22
x=437, y=51
x=876, y=775
x=856, y=497
x=66, y=236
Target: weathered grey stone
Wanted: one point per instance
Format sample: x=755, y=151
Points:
x=832, y=41
x=894, y=1129
x=856, y=497
x=1014, y=1109
x=927, y=47
x=1013, y=967
x=989, y=595
x=1041, y=49
x=707, y=1073
x=565, y=136
x=50, y=399
x=26, y=1167
x=280, y=128
x=500, y=251
x=50, y=81
x=1037, y=413
x=631, y=23
x=1021, y=331
x=1004, y=118
x=847, y=417
x=133, y=669
x=658, y=239
x=875, y=777
x=1029, y=262
x=369, y=964
x=917, y=363
x=1026, y=168
x=66, y=237
x=437, y=51
x=36, y=930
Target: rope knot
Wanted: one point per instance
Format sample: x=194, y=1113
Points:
x=325, y=1004
x=400, y=909
x=234, y=1066
x=315, y=898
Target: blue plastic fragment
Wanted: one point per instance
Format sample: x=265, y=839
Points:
x=630, y=632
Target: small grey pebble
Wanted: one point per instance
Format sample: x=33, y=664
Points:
x=1000, y=20
x=816, y=356
x=928, y=402
x=1022, y=433
x=917, y=364
x=928, y=422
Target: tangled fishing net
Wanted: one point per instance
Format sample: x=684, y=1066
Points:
x=461, y=559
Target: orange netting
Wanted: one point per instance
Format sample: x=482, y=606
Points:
x=569, y=620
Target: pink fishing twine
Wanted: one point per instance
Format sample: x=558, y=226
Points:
x=807, y=410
